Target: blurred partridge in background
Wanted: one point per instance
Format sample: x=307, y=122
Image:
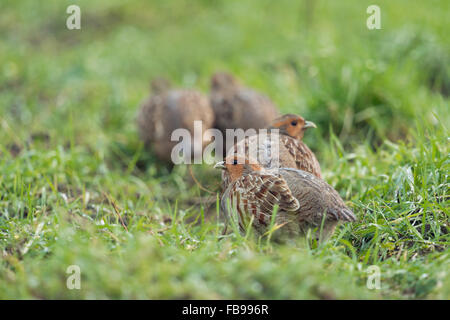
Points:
x=304, y=201
x=238, y=107
x=170, y=109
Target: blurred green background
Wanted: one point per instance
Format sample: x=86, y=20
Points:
x=71, y=158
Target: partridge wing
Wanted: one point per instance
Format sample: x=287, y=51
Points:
x=264, y=192
x=316, y=196
x=303, y=156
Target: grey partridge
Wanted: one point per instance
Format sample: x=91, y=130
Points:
x=149, y=112
x=286, y=150
x=296, y=153
x=170, y=109
x=304, y=201
x=238, y=107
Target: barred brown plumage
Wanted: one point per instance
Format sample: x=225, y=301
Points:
x=304, y=201
x=285, y=150
x=292, y=128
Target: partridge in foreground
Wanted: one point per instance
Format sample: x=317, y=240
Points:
x=238, y=107
x=170, y=109
x=304, y=201
x=288, y=151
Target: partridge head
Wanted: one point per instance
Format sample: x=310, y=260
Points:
x=292, y=125
x=223, y=81
x=160, y=85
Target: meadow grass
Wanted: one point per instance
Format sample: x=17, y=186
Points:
x=77, y=187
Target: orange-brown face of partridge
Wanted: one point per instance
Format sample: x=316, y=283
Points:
x=292, y=125
x=237, y=166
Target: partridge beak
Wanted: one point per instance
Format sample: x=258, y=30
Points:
x=220, y=165
x=309, y=124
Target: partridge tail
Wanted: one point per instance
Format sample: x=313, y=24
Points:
x=347, y=215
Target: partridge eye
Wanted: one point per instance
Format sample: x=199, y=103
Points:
x=235, y=162
x=294, y=123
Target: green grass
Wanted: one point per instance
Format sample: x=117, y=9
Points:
x=71, y=161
